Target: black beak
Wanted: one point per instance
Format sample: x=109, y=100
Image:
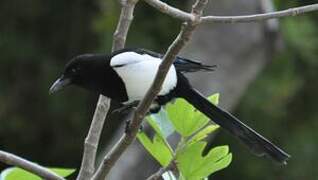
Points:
x=59, y=84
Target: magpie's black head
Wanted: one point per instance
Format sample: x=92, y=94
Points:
x=83, y=70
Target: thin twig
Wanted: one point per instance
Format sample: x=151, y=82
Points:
x=125, y=19
x=119, y=39
x=170, y=10
x=260, y=17
x=92, y=140
x=15, y=160
x=111, y=158
x=184, y=16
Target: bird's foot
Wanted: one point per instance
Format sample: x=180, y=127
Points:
x=126, y=107
x=127, y=126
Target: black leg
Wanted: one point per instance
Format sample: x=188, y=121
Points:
x=126, y=107
x=127, y=126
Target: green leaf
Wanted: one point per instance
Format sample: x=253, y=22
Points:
x=203, y=133
x=193, y=165
x=218, y=158
x=15, y=173
x=185, y=118
x=157, y=147
x=64, y=172
x=161, y=123
x=152, y=122
x=214, y=98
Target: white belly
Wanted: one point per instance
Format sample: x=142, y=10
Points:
x=138, y=73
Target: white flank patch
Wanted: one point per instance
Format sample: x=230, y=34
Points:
x=138, y=72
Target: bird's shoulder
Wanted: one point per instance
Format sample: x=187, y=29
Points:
x=128, y=56
x=139, y=51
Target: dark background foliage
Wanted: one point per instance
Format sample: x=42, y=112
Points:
x=37, y=38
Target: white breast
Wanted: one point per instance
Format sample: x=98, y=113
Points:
x=138, y=72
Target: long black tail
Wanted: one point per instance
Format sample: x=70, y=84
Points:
x=256, y=143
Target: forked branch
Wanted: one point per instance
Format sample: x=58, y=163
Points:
x=184, y=16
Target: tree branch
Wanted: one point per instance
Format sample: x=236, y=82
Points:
x=169, y=10
x=184, y=16
x=91, y=142
x=260, y=17
x=125, y=19
x=111, y=158
x=14, y=160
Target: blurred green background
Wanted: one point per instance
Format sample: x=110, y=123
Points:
x=37, y=38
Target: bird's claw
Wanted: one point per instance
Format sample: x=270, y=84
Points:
x=126, y=107
x=127, y=126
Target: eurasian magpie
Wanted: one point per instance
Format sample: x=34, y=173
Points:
x=127, y=74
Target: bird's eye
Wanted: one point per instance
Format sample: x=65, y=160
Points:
x=73, y=70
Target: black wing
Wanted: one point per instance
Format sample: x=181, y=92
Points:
x=181, y=64
x=186, y=65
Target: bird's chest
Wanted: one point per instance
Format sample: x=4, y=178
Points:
x=138, y=78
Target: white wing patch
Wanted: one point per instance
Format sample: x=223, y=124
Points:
x=138, y=72
x=125, y=58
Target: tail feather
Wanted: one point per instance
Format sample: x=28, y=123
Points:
x=256, y=142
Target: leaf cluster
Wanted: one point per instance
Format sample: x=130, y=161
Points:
x=193, y=127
